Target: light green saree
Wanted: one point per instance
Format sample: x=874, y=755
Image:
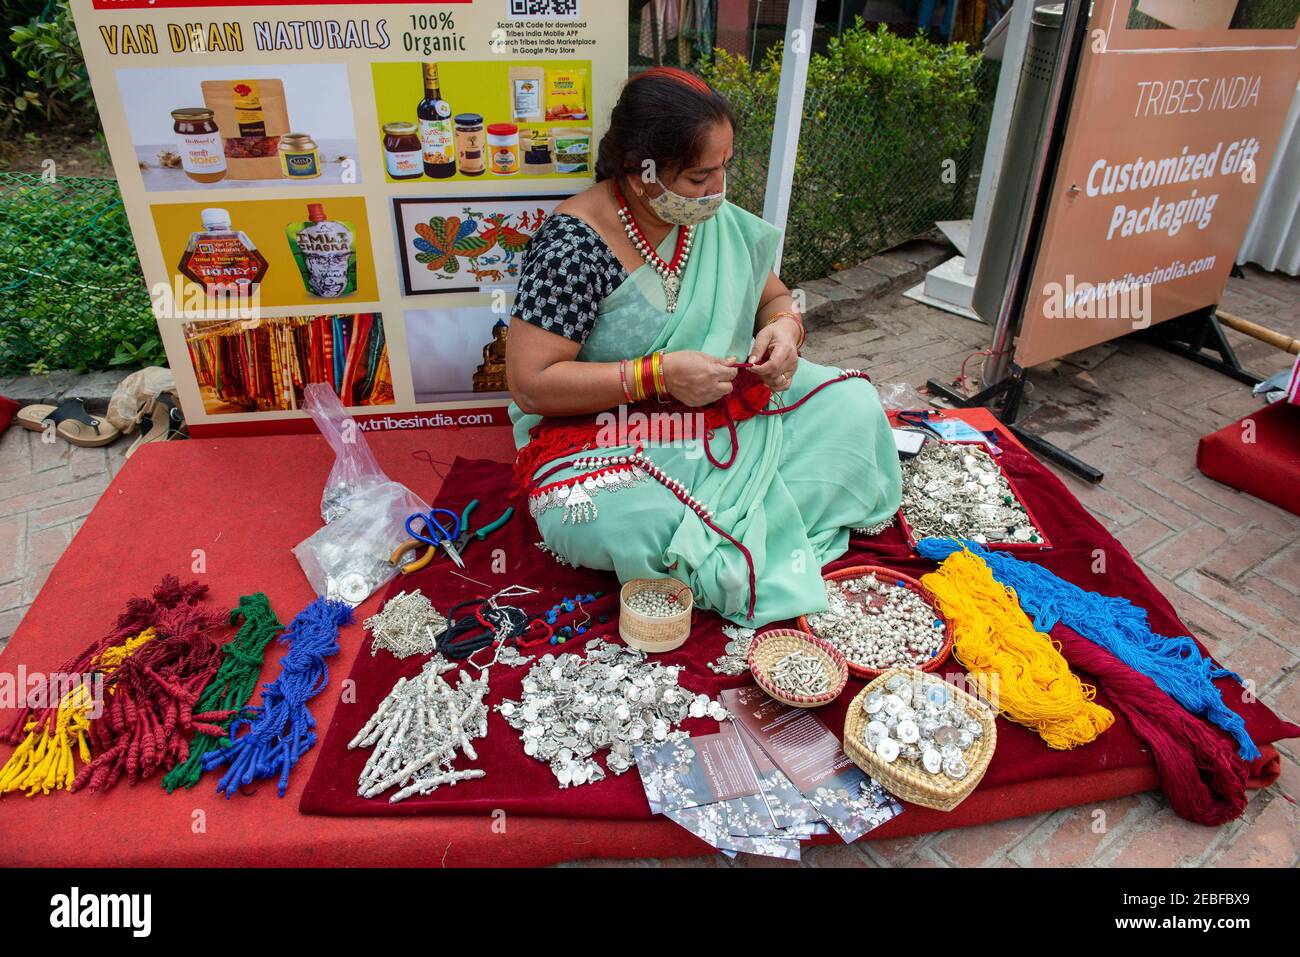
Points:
x=799, y=481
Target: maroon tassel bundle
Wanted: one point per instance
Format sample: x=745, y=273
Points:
x=140, y=614
x=1200, y=770
x=149, y=699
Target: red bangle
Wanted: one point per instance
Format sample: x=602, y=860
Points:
x=648, y=378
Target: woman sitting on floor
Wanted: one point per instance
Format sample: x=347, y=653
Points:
x=643, y=290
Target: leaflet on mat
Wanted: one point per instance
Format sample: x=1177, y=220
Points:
x=809, y=754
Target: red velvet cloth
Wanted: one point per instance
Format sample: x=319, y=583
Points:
x=8, y=409
x=519, y=784
x=245, y=502
x=1269, y=466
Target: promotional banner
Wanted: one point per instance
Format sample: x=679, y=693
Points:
x=1173, y=126
x=341, y=192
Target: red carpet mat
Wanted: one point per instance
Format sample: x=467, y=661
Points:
x=519, y=784
x=1258, y=454
x=239, y=506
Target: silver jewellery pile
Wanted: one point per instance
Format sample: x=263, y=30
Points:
x=654, y=604
x=418, y=730
x=878, y=624
x=576, y=495
x=800, y=673
x=612, y=700
x=920, y=721
x=958, y=490
x=735, y=658
x=407, y=625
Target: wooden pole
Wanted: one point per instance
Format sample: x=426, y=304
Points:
x=1262, y=333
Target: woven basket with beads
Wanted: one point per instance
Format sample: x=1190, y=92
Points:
x=908, y=781
x=906, y=581
x=650, y=634
x=769, y=648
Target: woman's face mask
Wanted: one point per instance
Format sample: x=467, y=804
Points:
x=685, y=210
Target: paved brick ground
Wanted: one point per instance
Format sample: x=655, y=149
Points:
x=1229, y=563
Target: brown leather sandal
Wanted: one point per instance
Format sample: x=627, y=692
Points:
x=71, y=422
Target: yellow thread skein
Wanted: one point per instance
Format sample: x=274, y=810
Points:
x=46, y=763
x=994, y=637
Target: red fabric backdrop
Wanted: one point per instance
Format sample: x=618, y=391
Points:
x=1259, y=454
x=8, y=408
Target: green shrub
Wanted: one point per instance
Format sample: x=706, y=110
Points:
x=891, y=139
x=42, y=72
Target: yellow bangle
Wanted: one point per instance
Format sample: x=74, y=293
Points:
x=636, y=378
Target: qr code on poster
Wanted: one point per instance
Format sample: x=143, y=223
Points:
x=543, y=8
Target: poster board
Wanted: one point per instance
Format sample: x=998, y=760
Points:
x=1172, y=129
x=367, y=233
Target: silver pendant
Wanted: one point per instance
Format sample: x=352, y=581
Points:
x=672, y=285
x=579, y=507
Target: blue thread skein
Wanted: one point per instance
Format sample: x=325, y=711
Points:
x=280, y=728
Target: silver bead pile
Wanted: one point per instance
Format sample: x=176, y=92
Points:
x=800, y=673
x=419, y=730
x=407, y=625
x=919, y=720
x=612, y=700
x=958, y=490
x=878, y=624
x=735, y=658
x=655, y=604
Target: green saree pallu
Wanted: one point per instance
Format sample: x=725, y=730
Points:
x=775, y=495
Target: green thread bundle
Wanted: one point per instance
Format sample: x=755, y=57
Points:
x=233, y=685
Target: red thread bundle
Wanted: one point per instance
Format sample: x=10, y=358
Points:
x=1200, y=771
x=140, y=614
x=149, y=700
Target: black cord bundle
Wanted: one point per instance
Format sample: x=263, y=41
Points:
x=461, y=639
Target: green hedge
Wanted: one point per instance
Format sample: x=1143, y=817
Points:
x=893, y=131
x=71, y=292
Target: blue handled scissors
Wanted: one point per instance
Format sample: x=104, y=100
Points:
x=435, y=532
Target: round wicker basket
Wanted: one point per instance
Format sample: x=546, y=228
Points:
x=888, y=574
x=770, y=647
x=649, y=634
x=905, y=780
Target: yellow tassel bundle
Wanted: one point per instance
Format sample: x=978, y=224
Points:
x=993, y=638
x=47, y=762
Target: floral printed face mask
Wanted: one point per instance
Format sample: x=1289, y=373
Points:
x=685, y=210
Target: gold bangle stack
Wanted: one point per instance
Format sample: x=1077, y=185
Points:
x=648, y=377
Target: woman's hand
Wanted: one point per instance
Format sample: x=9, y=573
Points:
x=776, y=353
x=696, y=379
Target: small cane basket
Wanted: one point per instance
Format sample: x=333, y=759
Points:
x=655, y=635
x=769, y=648
x=906, y=581
x=911, y=782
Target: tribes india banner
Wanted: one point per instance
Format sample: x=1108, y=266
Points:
x=341, y=192
x=1172, y=131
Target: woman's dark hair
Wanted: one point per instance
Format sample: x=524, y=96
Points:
x=664, y=115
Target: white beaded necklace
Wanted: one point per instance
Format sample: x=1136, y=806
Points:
x=669, y=272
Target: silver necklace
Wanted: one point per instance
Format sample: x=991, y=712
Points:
x=670, y=273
